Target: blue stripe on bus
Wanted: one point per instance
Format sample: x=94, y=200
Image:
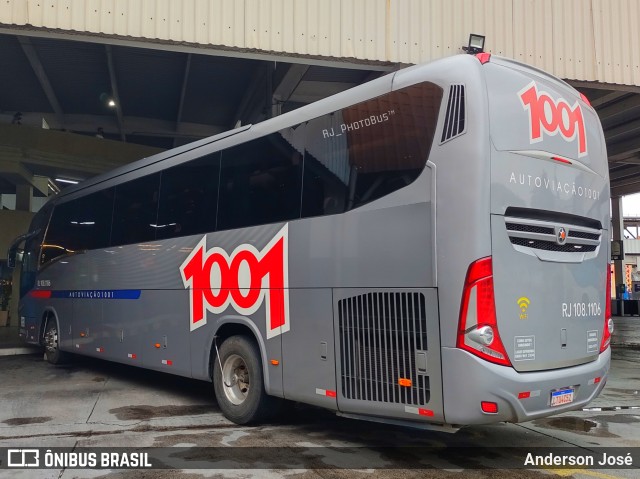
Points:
x=97, y=294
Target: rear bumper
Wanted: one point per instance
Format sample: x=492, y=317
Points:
x=468, y=380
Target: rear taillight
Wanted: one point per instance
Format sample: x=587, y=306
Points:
x=478, y=328
x=608, y=322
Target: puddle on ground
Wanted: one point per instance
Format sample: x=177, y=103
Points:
x=629, y=392
x=21, y=421
x=129, y=413
x=575, y=424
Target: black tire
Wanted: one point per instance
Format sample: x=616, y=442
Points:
x=245, y=401
x=52, y=351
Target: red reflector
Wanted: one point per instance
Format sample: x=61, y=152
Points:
x=561, y=160
x=331, y=394
x=606, y=333
x=483, y=57
x=489, y=407
x=40, y=293
x=425, y=412
x=585, y=99
x=597, y=380
x=524, y=395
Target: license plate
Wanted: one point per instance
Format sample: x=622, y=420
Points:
x=562, y=396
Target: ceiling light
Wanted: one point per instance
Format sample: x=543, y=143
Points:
x=63, y=180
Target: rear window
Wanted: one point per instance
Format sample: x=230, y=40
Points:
x=533, y=112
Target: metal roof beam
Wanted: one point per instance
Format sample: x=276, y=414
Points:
x=627, y=189
x=114, y=91
x=607, y=98
x=623, y=173
x=623, y=149
x=603, y=86
x=132, y=125
x=252, y=90
x=183, y=93
x=290, y=81
x=619, y=107
x=32, y=56
x=626, y=129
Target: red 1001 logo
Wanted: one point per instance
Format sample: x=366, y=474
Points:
x=242, y=280
x=552, y=117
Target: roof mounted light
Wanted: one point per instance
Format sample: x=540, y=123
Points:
x=476, y=44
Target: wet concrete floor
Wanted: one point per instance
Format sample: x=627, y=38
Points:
x=90, y=403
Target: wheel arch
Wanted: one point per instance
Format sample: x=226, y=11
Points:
x=49, y=314
x=238, y=326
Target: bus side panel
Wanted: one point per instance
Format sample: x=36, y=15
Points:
x=161, y=322
x=388, y=353
x=308, y=353
x=87, y=325
x=387, y=243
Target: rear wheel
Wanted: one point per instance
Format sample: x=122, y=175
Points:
x=52, y=351
x=239, y=383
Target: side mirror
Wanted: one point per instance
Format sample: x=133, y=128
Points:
x=13, y=256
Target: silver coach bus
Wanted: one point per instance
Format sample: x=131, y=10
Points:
x=430, y=249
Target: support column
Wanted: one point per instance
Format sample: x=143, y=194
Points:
x=617, y=233
x=24, y=195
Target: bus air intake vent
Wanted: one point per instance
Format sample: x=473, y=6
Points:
x=454, y=122
x=547, y=235
x=380, y=334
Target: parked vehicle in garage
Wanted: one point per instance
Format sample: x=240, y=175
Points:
x=430, y=248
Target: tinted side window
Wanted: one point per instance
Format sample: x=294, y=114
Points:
x=260, y=181
x=135, y=211
x=366, y=151
x=189, y=198
x=79, y=225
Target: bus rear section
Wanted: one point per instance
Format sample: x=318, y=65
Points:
x=534, y=326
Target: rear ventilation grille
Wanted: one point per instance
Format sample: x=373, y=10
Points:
x=543, y=235
x=529, y=228
x=380, y=334
x=454, y=122
x=553, y=246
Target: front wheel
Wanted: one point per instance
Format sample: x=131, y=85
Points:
x=52, y=351
x=238, y=382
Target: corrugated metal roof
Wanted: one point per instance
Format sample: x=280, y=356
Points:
x=576, y=39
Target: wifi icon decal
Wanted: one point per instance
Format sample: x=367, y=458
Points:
x=523, y=304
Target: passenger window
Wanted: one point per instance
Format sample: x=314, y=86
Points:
x=260, y=181
x=135, y=211
x=79, y=225
x=189, y=198
x=368, y=150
